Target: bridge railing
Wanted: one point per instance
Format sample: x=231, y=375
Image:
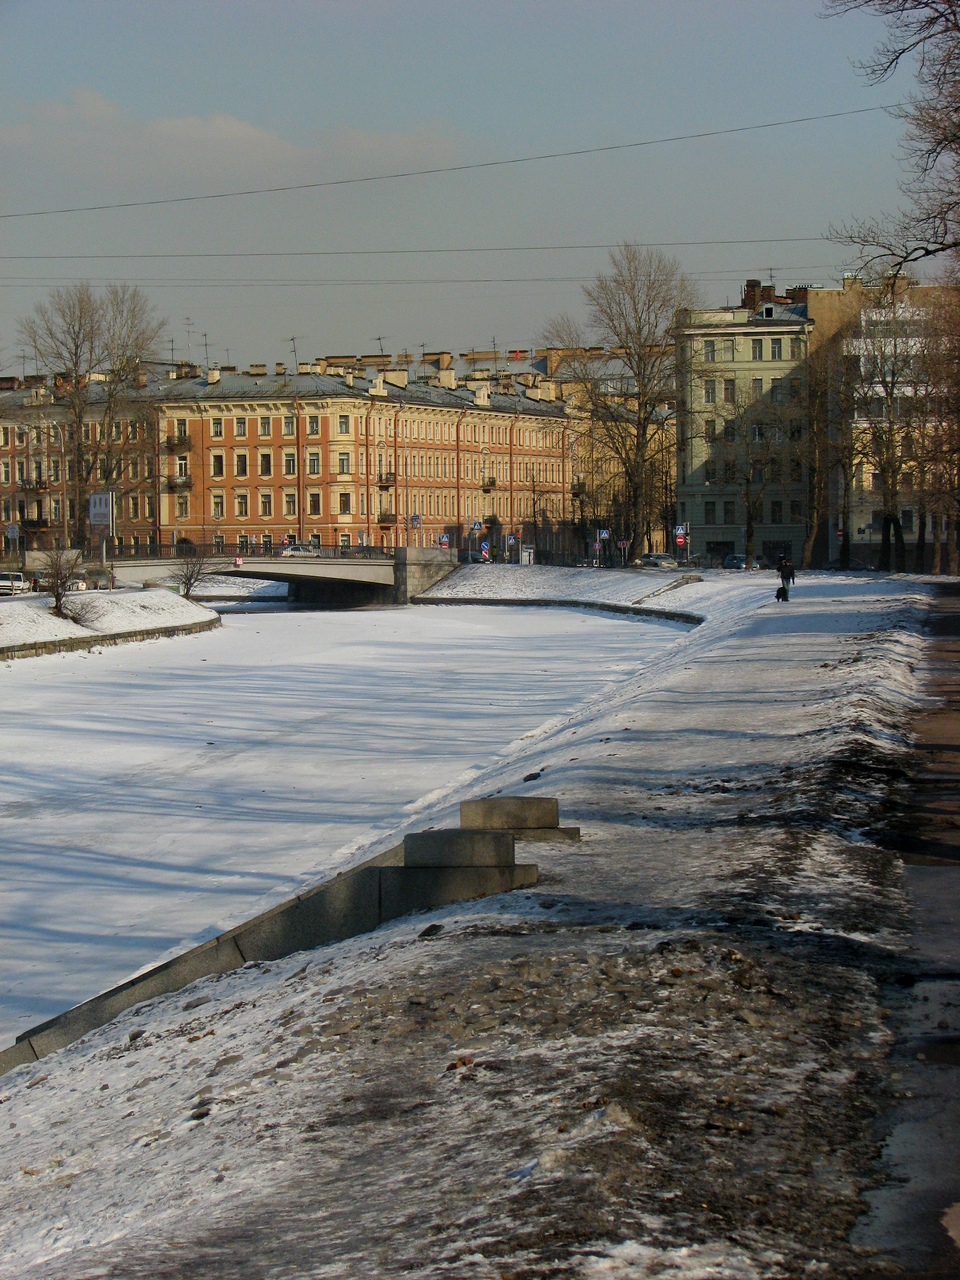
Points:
x=230, y=551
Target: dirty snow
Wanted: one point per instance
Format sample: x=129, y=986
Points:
x=663, y=1062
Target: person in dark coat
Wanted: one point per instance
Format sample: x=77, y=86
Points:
x=787, y=576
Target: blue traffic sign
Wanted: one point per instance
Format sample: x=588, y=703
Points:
x=604, y=534
x=484, y=546
x=511, y=540
x=477, y=526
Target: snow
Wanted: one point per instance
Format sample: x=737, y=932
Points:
x=702, y=765
x=31, y=620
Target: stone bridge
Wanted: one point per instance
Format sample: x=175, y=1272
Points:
x=341, y=580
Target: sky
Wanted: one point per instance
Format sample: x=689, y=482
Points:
x=108, y=102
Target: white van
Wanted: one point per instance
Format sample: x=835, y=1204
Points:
x=11, y=584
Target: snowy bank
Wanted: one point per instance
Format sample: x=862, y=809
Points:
x=28, y=626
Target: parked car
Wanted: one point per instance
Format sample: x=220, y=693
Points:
x=12, y=584
x=739, y=562
x=855, y=566
x=657, y=560
x=300, y=550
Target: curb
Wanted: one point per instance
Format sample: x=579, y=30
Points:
x=71, y=644
x=634, y=610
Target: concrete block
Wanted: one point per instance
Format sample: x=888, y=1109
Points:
x=507, y=813
x=338, y=909
x=544, y=835
x=455, y=848
x=18, y=1055
x=220, y=955
x=407, y=889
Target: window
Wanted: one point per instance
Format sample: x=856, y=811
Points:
x=182, y=466
x=314, y=500
x=344, y=504
x=313, y=464
x=710, y=471
x=134, y=507
x=729, y=474
x=756, y=389
x=267, y=543
x=796, y=470
x=729, y=513
x=289, y=504
x=264, y=426
x=729, y=391
x=776, y=348
x=345, y=541
x=710, y=429
x=776, y=512
x=240, y=463
x=183, y=506
x=794, y=388
x=709, y=392
x=181, y=428
x=757, y=434
x=729, y=433
x=134, y=469
x=756, y=349
x=313, y=425
x=150, y=504
x=240, y=429
x=343, y=425
x=906, y=483
x=728, y=349
x=709, y=350
x=218, y=508
x=6, y=472
x=343, y=464
x=266, y=464
x=796, y=348
x=906, y=519
x=216, y=465
x=242, y=504
x=216, y=428
x=266, y=504
x=876, y=521
x=796, y=510
x=288, y=426
x=776, y=391
x=289, y=464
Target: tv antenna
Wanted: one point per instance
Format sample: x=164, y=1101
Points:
x=188, y=325
x=379, y=339
x=206, y=352
x=293, y=343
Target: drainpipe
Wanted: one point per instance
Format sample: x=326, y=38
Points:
x=367, y=462
x=301, y=465
x=396, y=492
x=456, y=431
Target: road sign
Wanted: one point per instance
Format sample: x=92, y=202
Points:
x=681, y=539
x=605, y=535
x=101, y=511
x=415, y=521
x=238, y=561
x=484, y=546
x=511, y=540
x=13, y=531
x=623, y=544
x=444, y=539
x=477, y=526
x=680, y=530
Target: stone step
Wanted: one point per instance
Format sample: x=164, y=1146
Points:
x=452, y=847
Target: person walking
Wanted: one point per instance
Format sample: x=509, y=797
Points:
x=787, y=576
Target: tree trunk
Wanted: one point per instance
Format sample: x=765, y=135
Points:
x=952, y=544
x=899, y=546
x=937, y=542
x=920, y=552
x=886, y=545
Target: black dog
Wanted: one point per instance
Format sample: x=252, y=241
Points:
x=782, y=595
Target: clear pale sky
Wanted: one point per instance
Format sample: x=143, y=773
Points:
x=103, y=101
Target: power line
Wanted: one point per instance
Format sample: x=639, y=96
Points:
x=452, y=168
x=369, y=253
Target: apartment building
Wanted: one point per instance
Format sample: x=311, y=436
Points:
x=245, y=462
x=741, y=425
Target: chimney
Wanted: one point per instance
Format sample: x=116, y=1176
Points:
x=396, y=377
x=213, y=376
x=376, y=386
x=481, y=395
x=447, y=379
x=768, y=293
x=751, y=295
x=280, y=369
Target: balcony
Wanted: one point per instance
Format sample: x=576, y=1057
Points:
x=33, y=486
x=387, y=479
x=578, y=489
x=179, y=444
x=386, y=518
x=176, y=484
x=488, y=484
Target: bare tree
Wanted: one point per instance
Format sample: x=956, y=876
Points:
x=925, y=33
x=623, y=369
x=194, y=566
x=58, y=568
x=93, y=344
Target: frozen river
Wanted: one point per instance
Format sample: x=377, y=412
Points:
x=155, y=794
